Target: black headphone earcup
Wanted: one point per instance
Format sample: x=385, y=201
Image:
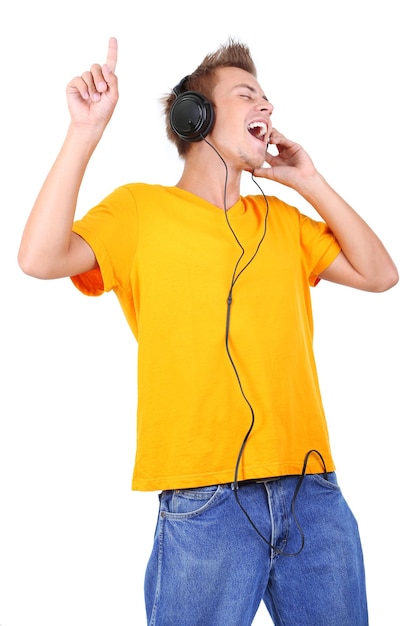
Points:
x=191, y=116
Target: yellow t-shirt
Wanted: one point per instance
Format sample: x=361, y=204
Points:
x=170, y=258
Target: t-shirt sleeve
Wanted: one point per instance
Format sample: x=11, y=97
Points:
x=319, y=245
x=110, y=229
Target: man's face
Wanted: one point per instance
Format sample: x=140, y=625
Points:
x=243, y=123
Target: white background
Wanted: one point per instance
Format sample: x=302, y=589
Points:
x=343, y=76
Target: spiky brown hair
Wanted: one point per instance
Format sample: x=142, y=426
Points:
x=233, y=53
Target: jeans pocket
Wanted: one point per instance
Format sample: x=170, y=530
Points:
x=320, y=479
x=188, y=502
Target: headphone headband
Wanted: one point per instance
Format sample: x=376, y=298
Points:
x=179, y=88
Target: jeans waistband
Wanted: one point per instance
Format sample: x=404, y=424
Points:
x=253, y=481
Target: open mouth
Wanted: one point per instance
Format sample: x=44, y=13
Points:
x=258, y=130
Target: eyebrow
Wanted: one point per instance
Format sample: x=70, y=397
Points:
x=250, y=89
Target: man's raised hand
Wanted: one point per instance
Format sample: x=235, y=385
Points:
x=92, y=97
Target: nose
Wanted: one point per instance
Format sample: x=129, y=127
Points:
x=265, y=105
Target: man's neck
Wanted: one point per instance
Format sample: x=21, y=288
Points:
x=204, y=175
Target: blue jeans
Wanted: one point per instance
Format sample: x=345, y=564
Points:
x=210, y=567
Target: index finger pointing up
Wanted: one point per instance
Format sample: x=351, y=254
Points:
x=111, y=59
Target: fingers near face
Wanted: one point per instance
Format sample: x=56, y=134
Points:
x=276, y=137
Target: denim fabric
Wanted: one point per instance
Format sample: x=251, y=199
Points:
x=210, y=567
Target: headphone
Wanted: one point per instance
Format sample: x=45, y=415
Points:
x=191, y=114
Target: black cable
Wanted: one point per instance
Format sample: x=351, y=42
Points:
x=235, y=276
x=276, y=550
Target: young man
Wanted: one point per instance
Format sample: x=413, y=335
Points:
x=215, y=287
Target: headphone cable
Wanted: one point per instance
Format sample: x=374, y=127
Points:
x=235, y=276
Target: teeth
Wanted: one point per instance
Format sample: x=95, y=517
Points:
x=261, y=126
